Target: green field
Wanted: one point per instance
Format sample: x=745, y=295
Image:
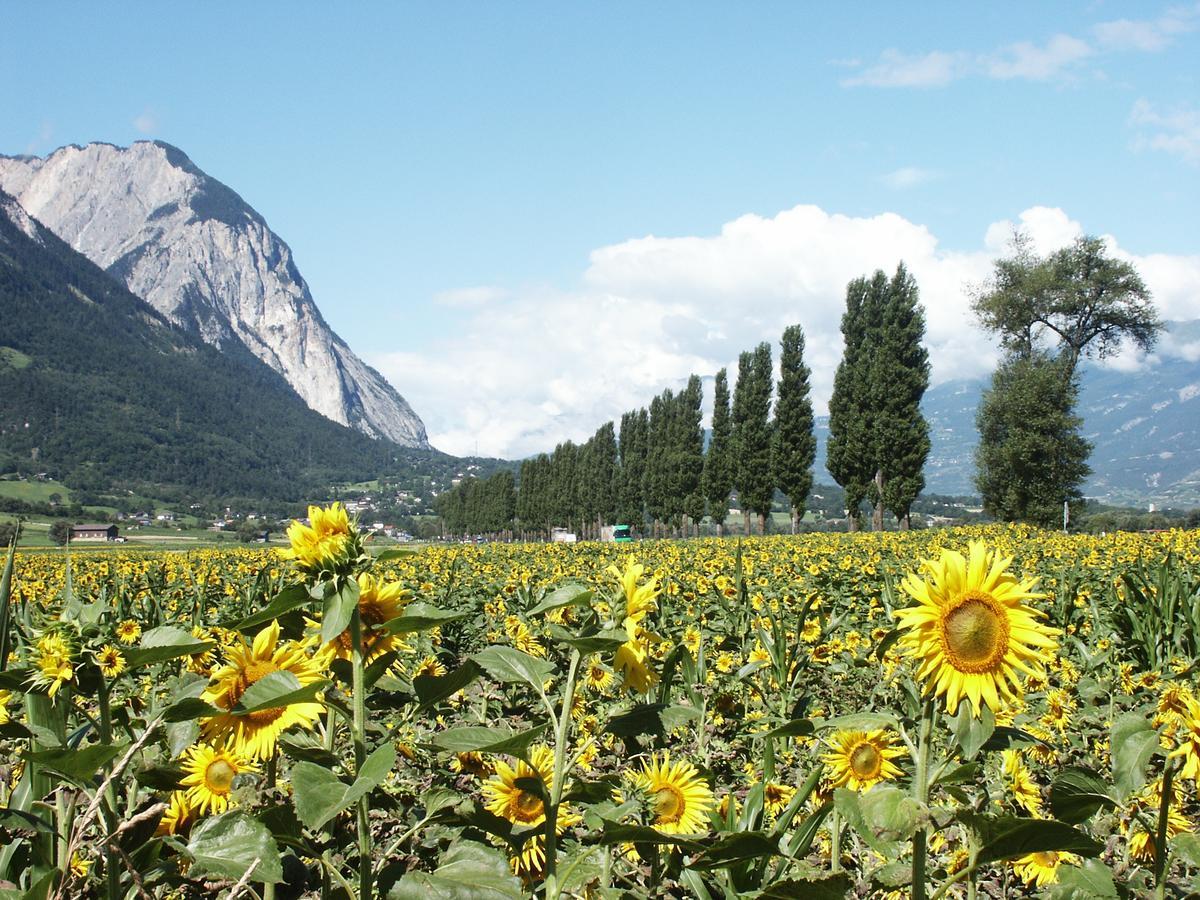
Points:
x=34, y=491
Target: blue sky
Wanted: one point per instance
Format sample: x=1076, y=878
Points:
x=440, y=168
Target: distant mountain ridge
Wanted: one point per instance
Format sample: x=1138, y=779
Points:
x=1145, y=427
x=199, y=254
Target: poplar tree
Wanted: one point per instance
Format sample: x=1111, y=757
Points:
x=847, y=453
x=603, y=480
x=632, y=449
x=793, y=446
x=752, y=435
x=689, y=455
x=718, y=467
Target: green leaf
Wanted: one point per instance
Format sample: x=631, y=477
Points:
x=508, y=665
x=580, y=867
x=1092, y=881
x=847, y=803
x=317, y=794
x=830, y=887
x=21, y=821
x=339, y=610
x=420, y=617
x=488, y=739
x=794, y=728
x=374, y=770
x=1187, y=845
x=394, y=553
x=972, y=732
x=225, y=846
x=1007, y=837
x=78, y=766
x=600, y=642
x=165, y=643
x=864, y=721
x=619, y=833
x=1133, y=743
x=291, y=597
x=736, y=847
x=891, y=813
x=275, y=690
x=1077, y=794
x=189, y=708
x=468, y=870
x=433, y=689
x=565, y=595
x=645, y=718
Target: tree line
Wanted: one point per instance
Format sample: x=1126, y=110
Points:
x=656, y=472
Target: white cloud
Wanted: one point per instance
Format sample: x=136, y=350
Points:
x=470, y=297
x=1055, y=59
x=1176, y=131
x=907, y=177
x=544, y=366
x=1147, y=35
x=1034, y=62
x=147, y=122
x=895, y=69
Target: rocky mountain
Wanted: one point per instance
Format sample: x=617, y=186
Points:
x=201, y=256
x=1144, y=426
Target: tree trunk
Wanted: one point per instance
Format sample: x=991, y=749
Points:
x=795, y=519
x=762, y=523
x=746, y=517
x=906, y=522
x=855, y=525
x=720, y=529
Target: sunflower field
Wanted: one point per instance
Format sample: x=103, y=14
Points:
x=983, y=712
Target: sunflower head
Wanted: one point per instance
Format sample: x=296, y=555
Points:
x=128, y=632
x=53, y=658
x=209, y=772
x=970, y=630
x=254, y=734
x=110, y=660
x=640, y=599
x=378, y=603
x=677, y=799
x=328, y=544
x=860, y=759
x=179, y=817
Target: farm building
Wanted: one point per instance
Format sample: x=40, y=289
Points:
x=93, y=532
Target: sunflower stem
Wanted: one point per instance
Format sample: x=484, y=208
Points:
x=835, y=842
x=921, y=791
x=1160, y=837
x=556, y=789
x=112, y=875
x=360, y=754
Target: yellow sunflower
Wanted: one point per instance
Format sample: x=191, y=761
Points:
x=1020, y=782
x=971, y=630
x=597, y=676
x=52, y=663
x=776, y=797
x=255, y=734
x=430, y=666
x=110, y=661
x=201, y=663
x=378, y=604
x=677, y=799
x=1187, y=736
x=859, y=759
x=640, y=599
x=5, y=696
x=128, y=632
x=328, y=543
x=525, y=808
x=1041, y=869
x=179, y=817
x=208, y=776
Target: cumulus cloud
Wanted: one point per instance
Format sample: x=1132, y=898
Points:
x=1057, y=58
x=1174, y=131
x=547, y=365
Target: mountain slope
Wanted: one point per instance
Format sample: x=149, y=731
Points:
x=202, y=257
x=99, y=388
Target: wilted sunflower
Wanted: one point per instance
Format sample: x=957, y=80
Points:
x=1144, y=807
x=678, y=800
x=859, y=759
x=378, y=604
x=1041, y=869
x=255, y=734
x=640, y=600
x=971, y=630
x=110, y=661
x=1020, y=782
x=208, y=776
x=327, y=544
x=128, y=632
x=178, y=818
x=1188, y=736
